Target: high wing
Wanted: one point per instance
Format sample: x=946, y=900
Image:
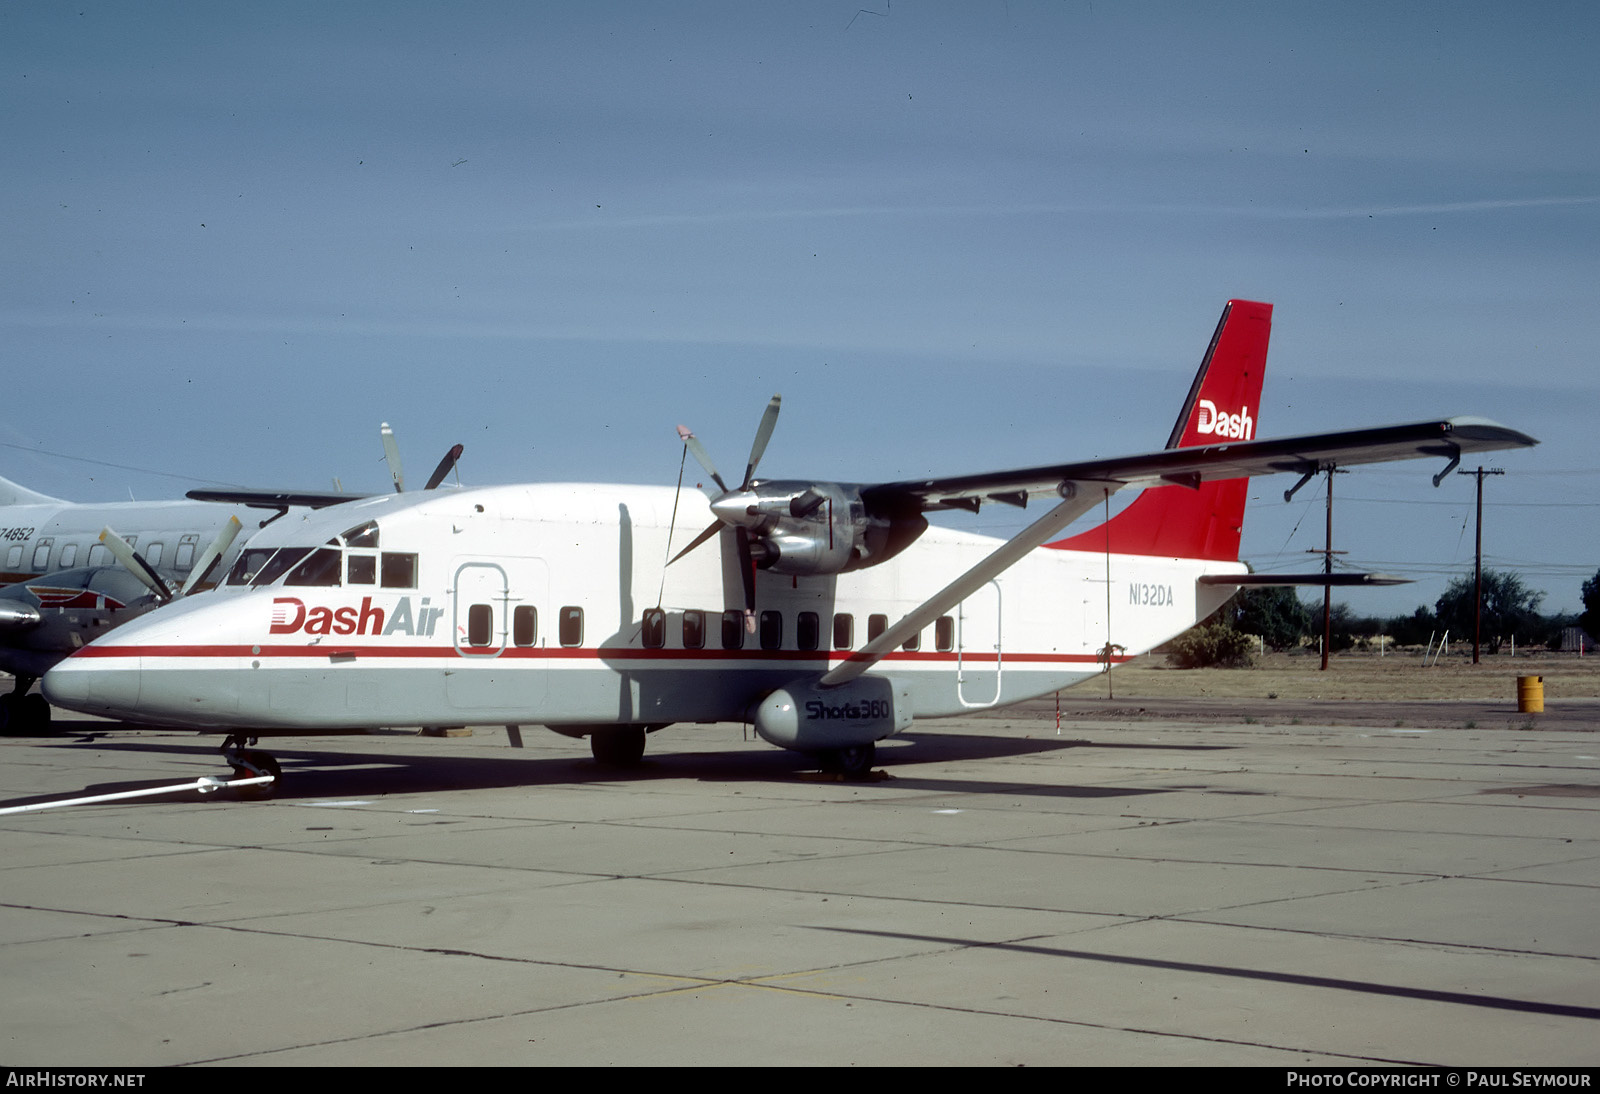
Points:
x=1081, y=485
x=1306, y=455
x=274, y=499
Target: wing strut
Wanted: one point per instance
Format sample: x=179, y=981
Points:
x=1079, y=499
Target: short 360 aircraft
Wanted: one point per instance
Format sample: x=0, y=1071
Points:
x=829, y=614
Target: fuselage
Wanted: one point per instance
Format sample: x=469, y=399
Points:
x=554, y=604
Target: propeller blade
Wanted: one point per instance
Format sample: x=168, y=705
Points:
x=135, y=563
x=769, y=422
x=208, y=557
x=716, y=526
x=747, y=571
x=446, y=465
x=391, y=453
x=700, y=457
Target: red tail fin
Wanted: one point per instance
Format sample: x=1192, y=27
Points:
x=1224, y=404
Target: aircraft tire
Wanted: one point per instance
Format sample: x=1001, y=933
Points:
x=267, y=765
x=853, y=763
x=617, y=746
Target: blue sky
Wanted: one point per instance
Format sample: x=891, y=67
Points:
x=956, y=237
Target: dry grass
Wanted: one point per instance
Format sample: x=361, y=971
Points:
x=1361, y=676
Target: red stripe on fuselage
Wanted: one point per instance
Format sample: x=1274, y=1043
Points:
x=566, y=653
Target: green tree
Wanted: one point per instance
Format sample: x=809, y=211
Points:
x=1509, y=609
x=1213, y=644
x=1590, y=619
x=1274, y=612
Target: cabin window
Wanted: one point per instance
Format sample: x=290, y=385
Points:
x=808, y=631
x=653, y=630
x=184, y=559
x=877, y=623
x=320, y=567
x=362, y=569
x=362, y=535
x=844, y=630
x=152, y=554
x=525, y=625
x=99, y=555
x=14, y=557
x=399, y=570
x=771, y=630
x=944, y=634
x=69, y=555
x=41, y=555
x=732, y=630
x=694, y=630
x=571, y=626
x=480, y=625
x=913, y=643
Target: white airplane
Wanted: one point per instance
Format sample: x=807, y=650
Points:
x=828, y=614
x=70, y=571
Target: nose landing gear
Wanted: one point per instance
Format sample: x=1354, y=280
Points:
x=249, y=763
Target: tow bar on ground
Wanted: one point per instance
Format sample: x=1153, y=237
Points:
x=205, y=785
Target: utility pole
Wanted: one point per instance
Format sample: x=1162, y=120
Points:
x=1327, y=554
x=1477, y=566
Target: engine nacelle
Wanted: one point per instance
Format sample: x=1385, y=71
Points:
x=810, y=718
x=810, y=528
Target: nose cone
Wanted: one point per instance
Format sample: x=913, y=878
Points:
x=90, y=686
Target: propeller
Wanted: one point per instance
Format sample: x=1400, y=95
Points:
x=208, y=557
x=446, y=465
x=136, y=565
x=728, y=499
x=391, y=456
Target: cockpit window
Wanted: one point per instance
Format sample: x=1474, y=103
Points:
x=321, y=567
x=263, y=566
x=362, y=535
x=399, y=570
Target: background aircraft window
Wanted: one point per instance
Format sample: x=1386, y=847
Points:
x=362, y=535
x=944, y=634
x=571, y=626
x=732, y=630
x=807, y=631
x=844, y=630
x=653, y=631
x=362, y=569
x=99, y=555
x=14, y=557
x=525, y=625
x=913, y=643
x=772, y=630
x=184, y=559
x=694, y=630
x=321, y=567
x=399, y=570
x=877, y=623
x=69, y=555
x=480, y=625
x=41, y=555
x=152, y=554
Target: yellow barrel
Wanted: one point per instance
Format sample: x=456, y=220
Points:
x=1530, y=694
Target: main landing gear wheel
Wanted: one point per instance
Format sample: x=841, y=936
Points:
x=618, y=746
x=853, y=763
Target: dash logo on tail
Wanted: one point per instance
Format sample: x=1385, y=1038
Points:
x=1240, y=426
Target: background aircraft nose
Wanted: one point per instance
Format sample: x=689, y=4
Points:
x=84, y=685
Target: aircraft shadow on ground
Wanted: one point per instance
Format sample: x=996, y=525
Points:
x=327, y=772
